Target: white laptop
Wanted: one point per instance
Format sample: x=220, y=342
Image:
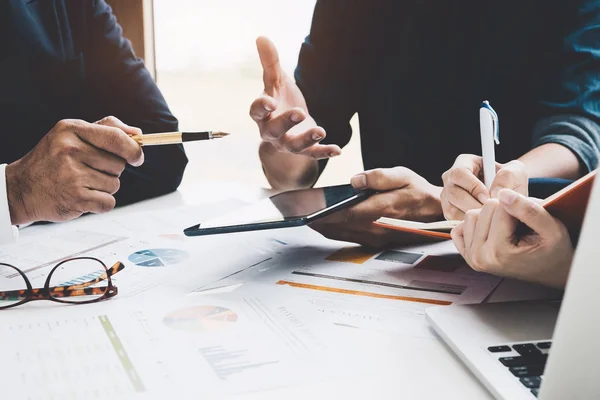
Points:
x=529, y=350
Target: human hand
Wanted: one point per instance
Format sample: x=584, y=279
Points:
x=464, y=189
x=73, y=170
x=281, y=112
x=489, y=241
x=404, y=195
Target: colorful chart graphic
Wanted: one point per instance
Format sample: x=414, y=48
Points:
x=158, y=257
x=354, y=255
x=200, y=319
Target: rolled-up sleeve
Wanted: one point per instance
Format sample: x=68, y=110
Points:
x=570, y=86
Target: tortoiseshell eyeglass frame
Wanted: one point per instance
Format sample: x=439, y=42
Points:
x=61, y=294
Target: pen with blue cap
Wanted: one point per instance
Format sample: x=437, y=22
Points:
x=490, y=136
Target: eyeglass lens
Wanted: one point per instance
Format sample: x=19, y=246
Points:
x=79, y=280
x=13, y=288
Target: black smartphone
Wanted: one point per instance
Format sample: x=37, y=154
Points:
x=284, y=210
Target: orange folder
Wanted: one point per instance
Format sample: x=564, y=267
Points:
x=402, y=226
x=568, y=205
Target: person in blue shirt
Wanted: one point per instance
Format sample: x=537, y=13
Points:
x=64, y=67
x=416, y=73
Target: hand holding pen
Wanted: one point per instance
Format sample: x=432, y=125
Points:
x=473, y=179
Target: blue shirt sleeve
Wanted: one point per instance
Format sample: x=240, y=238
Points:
x=569, y=86
x=124, y=88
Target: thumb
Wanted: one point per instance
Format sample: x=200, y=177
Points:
x=527, y=210
x=383, y=179
x=512, y=175
x=117, y=123
x=131, y=131
x=269, y=58
x=466, y=174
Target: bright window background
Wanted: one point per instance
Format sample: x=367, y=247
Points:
x=209, y=72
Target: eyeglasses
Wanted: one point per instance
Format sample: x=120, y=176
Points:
x=80, y=280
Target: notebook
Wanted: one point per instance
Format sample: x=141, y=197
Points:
x=568, y=205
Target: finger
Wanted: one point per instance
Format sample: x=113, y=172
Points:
x=363, y=213
x=297, y=143
x=457, y=235
x=117, y=123
x=469, y=227
x=511, y=176
x=503, y=228
x=378, y=238
x=484, y=222
x=461, y=199
x=464, y=177
x=384, y=178
x=321, y=152
x=96, y=180
x=528, y=211
x=269, y=58
x=278, y=126
x=305, y=144
x=338, y=217
x=262, y=108
x=114, y=140
x=101, y=160
x=98, y=202
x=367, y=235
x=470, y=162
x=129, y=130
x=375, y=207
x=452, y=213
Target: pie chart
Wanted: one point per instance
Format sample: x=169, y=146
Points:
x=158, y=257
x=201, y=319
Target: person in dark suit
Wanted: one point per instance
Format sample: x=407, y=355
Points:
x=64, y=67
x=416, y=73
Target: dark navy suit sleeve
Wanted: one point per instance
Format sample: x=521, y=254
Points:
x=569, y=85
x=327, y=73
x=124, y=88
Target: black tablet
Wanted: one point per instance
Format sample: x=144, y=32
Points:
x=287, y=209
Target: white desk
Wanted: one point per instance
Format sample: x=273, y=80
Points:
x=420, y=368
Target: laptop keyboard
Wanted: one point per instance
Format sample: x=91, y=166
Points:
x=526, y=361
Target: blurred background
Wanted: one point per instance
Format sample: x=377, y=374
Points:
x=206, y=65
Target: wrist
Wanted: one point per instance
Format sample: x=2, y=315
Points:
x=540, y=162
x=266, y=149
x=15, y=193
x=287, y=171
x=558, y=279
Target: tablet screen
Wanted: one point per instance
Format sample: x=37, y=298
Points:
x=286, y=206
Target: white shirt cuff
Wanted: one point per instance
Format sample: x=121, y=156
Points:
x=8, y=232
